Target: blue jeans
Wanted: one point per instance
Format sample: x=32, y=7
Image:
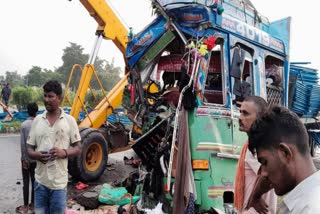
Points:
x=48, y=201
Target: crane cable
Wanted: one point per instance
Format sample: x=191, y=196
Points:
x=118, y=14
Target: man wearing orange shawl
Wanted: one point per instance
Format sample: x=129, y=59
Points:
x=252, y=191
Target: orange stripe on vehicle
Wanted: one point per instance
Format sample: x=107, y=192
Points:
x=214, y=148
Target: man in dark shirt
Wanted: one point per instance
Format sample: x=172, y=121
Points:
x=5, y=94
x=28, y=165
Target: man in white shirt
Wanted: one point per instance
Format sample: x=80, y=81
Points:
x=53, y=138
x=281, y=142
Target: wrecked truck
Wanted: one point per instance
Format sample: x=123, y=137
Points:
x=190, y=68
x=186, y=74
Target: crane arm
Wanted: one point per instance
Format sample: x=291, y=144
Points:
x=109, y=27
x=108, y=22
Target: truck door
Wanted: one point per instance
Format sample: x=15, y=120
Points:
x=242, y=82
x=211, y=132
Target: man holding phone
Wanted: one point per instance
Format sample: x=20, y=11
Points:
x=53, y=138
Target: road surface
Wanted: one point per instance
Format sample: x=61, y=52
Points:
x=10, y=174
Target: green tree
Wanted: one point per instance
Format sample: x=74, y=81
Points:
x=72, y=55
x=99, y=69
x=94, y=99
x=38, y=77
x=35, y=77
x=13, y=78
x=67, y=102
x=51, y=75
x=21, y=96
x=106, y=72
x=109, y=75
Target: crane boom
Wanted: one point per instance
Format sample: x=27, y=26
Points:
x=108, y=21
x=93, y=159
x=109, y=27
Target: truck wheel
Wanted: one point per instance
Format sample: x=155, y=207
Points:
x=311, y=145
x=90, y=164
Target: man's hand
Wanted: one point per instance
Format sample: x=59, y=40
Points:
x=44, y=157
x=57, y=153
x=25, y=164
x=259, y=205
x=262, y=185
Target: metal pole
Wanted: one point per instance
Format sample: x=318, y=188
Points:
x=176, y=121
x=95, y=49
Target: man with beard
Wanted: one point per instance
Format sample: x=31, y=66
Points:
x=252, y=191
x=281, y=142
x=53, y=138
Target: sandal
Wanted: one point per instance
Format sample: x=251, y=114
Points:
x=31, y=209
x=22, y=209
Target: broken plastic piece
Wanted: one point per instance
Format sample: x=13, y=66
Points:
x=81, y=186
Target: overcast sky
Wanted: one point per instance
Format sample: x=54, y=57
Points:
x=35, y=32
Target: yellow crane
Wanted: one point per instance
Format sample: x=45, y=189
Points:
x=91, y=163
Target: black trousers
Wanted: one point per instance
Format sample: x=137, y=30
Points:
x=5, y=101
x=27, y=175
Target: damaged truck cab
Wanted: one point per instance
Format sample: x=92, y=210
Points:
x=189, y=70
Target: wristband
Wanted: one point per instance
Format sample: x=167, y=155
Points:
x=66, y=153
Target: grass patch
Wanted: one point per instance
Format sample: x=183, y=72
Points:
x=10, y=127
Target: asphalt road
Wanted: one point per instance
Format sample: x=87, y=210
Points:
x=11, y=178
x=10, y=174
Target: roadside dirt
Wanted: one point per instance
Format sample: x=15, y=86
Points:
x=116, y=171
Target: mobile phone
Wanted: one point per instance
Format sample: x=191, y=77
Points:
x=46, y=153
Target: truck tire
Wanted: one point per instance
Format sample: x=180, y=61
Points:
x=91, y=163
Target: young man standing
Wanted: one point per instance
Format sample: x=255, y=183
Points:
x=53, y=138
x=248, y=182
x=280, y=140
x=28, y=165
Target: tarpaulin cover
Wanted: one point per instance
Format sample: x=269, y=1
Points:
x=306, y=91
x=116, y=116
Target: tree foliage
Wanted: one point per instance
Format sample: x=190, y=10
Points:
x=92, y=99
x=13, y=78
x=38, y=77
x=34, y=77
x=73, y=54
x=107, y=74
x=21, y=96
